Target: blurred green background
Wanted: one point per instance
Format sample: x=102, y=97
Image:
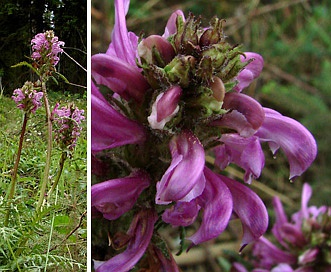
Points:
x=294, y=39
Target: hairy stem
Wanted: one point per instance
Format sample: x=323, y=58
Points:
x=49, y=148
x=12, y=186
x=57, y=178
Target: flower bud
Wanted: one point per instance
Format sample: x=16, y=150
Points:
x=186, y=39
x=179, y=69
x=214, y=34
x=218, y=88
x=156, y=50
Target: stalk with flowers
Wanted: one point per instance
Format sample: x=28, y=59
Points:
x=64, y=122
x=170, y=100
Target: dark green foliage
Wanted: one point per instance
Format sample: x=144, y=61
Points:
x=20, y=20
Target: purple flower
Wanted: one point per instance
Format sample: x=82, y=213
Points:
x=303, y=239
x=68, y=125
x=221, y=198
x=184, y=179
x=251, y=71
x=165, y=107
x=110, y=128
x=27, y=98
x=116, y=196
x=245, y=114
x=122, y=78
x=295, y=140
x=117, y=68
x=46, y=47
x=140, y=231
x=177, y=96
x=240, y=150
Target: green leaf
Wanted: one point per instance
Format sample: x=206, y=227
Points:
x=25, y=63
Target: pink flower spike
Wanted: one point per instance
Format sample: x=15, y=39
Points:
x=117, y=196
x=184, y=179
x=141, y=231
x=296, y=141
x=27, y=98
x=250, y=72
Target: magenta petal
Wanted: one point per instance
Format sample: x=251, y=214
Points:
x=171, y=24
x=158, y=43
x=117, y=196
x=124, y=44
x=295, y=140
x=246, y=105
x=245, y=152
x=269, y=255
x=306, y=212
x=141, y=230
x=216, y=201
x=249, y=208
x=109, y=127
x=245, y=114
x=169, y=102
x=250, y=72
x=165, y=107
x=309, y=256
x=281, y=219
x=184, y=179
x=283, y=267
x=293, y=234
x=182, y=213
x=305, y=197
x=120, y=77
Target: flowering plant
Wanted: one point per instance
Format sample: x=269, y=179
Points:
x=45, y=49
x=171, y=99
x=67, y=121
x=27, y=98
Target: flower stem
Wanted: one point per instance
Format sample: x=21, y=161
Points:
x=49, y=148
x=11, y=191
x=61, y=165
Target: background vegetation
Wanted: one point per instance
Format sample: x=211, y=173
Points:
x=293, y=36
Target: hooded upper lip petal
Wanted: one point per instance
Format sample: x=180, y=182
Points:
x=295, y=140
x=185, y=173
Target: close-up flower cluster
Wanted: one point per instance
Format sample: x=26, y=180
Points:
x=160, y=104
x=27, y=98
